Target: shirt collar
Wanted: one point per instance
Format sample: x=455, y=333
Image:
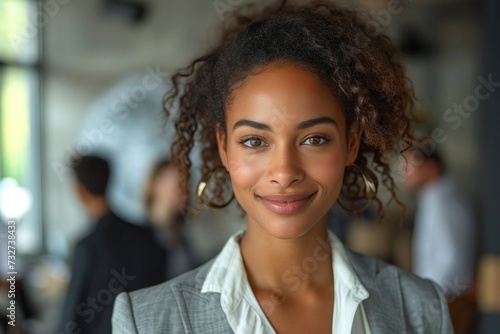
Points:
x=227, y=275
x=343, y=270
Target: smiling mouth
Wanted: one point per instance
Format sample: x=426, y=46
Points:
x=286, y=204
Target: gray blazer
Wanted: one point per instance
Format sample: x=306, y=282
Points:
x=399, y=302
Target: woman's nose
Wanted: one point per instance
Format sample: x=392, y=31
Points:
x=285, y=167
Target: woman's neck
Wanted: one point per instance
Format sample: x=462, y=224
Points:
x=287, y=264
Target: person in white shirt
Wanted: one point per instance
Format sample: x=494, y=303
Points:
x=296, y=108
x=444, y=227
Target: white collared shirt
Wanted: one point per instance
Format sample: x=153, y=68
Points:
x=227, y=276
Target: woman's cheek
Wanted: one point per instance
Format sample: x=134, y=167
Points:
x=244, y=177
x=243, y=171
x=329, y=170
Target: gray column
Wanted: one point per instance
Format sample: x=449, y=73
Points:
x=489, y=320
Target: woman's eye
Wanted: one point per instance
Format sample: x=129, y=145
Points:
x=253, y=142
x=315, y=141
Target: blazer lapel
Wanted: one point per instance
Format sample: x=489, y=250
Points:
x=200, y=312
x=384, y=306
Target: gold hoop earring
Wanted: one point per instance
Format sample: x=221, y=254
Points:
x=201, y=190
x=370, y=182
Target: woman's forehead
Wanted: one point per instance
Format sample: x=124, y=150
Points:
x=285, y=93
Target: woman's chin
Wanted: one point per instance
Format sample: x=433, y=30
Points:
x=287, y=229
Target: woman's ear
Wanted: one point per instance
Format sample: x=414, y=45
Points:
x=221, y=144
x=353, y=143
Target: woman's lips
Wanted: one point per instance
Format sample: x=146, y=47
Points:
x=286, y=204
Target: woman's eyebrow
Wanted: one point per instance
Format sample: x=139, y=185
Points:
x=252, y=124
x=304, y=125
x=316, y=121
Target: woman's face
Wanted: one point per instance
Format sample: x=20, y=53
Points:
x=286, y=149
x=167, y=199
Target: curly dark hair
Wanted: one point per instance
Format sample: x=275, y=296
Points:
x=362, y=69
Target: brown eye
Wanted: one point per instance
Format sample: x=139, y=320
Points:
x=253, y=142
x=315, y=141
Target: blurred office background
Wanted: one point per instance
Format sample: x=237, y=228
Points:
x=81, y=77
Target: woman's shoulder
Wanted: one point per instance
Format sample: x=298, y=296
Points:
x=192, y=279
x=368, y=267
x=406, y=301
x=145, y=309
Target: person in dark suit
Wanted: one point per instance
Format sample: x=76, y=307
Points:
x=116, y=256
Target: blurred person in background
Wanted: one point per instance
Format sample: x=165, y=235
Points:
x=164, y=204
x=116, y=256
x=444, y=233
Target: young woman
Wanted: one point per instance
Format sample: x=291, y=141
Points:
x=163, y=205
x=298, y=107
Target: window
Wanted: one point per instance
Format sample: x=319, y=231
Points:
x=19, y=121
